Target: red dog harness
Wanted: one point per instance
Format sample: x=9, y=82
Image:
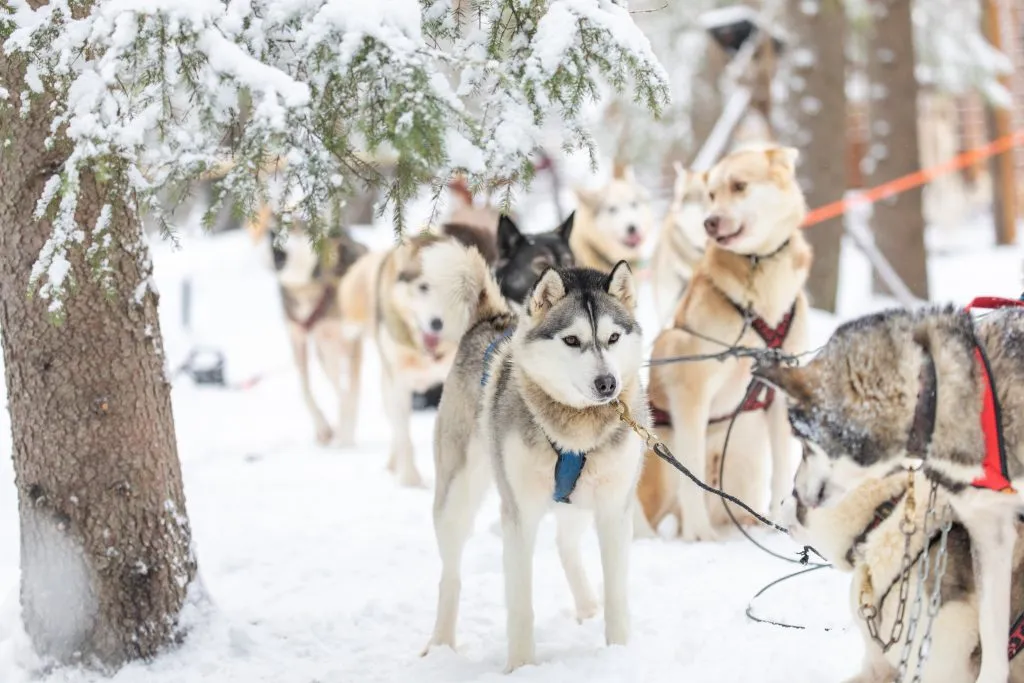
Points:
x=995, y=476
x=759, y=396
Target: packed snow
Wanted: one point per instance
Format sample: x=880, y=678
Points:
x=319, y=568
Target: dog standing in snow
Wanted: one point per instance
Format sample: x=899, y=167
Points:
x=531, y=405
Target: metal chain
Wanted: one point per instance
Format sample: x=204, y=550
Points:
x=868, y=611
x=935, y=602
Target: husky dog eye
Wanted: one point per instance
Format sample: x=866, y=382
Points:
x=572, y=340
x=424, y=287
x=614, y=338
x=738, y=186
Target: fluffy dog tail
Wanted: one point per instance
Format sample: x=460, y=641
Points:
x=463, y=278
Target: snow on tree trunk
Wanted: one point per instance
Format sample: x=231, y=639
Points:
x=105, y=543
x=813, y=119
x=898, y=222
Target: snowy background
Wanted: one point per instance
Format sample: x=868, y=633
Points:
x=321, y=570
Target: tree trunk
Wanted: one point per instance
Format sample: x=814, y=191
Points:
x=106, y=558
x=813, y=120
x=898, y=222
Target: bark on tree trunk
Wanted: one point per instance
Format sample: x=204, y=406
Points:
x=813, y=120
x=105, y=543
x=898, y=222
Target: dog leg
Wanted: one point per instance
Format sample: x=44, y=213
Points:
x=614, y=533
x=993, y=535
x=641, y=527
x=399, y=409
x=328, y=350
x=519, y=536
x=689, y=444
x=301, y=352
x=453, y=523
x=780, y=437
x=571, y=525
x=348, y=401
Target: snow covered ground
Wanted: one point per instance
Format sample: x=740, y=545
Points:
x=322, y=570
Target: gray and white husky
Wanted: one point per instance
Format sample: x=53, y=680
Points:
x=530, y=403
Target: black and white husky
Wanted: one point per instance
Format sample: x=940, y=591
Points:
x=530, y=403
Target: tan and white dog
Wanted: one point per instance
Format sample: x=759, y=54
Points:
x=862, y=533
x=747, y=291
x=611, y=223
x=386, y=295
x=681, y=242
x=308, y=281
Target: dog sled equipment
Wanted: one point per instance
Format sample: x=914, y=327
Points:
x=759, y=395
x=569, y=465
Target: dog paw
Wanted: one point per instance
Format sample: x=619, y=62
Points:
x=587, y=610
x=435, y=643
x=515, y=662
x=323, y=435
x=693, y=533
x=616, y=634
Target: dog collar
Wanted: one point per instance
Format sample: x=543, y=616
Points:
x=756, y=259
x=882, y=513
x=568, y=469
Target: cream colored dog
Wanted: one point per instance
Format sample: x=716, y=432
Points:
x=747, y=291
x=611, y=223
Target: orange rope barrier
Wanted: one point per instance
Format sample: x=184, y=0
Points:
x=915, y=179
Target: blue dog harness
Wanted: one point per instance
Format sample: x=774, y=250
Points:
x=569, y=465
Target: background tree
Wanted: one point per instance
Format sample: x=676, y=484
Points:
x=103, y=105
x=813, y=71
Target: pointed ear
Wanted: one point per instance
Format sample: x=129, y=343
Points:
x=783, y=158
x=509, y=236
x=548, y=291
x=565, y=229
x=796, y=382
x=588, y=198
x=622, y=286
x=621, y=171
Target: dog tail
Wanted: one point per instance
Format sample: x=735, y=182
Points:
x=463, y=278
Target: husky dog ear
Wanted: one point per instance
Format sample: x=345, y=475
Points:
x=621, y=285
x=796, y=382
x=548, y=291
x=783, y=158
x=509, y=236
x=565, y=229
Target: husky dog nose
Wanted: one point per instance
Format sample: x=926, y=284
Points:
x=605, y=386
x=436, y=324
x=711, y=225
x=631, y=230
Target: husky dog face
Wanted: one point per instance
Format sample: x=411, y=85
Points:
x=621, y=209
x=690, y=205
x=580, y=339
x=299, y=263
x=420, y=301
x=853, y=406
x=522, y=258
x=755, y=200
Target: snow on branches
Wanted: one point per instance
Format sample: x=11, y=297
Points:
x=295, y=102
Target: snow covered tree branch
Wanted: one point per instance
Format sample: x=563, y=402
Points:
x=295, y=100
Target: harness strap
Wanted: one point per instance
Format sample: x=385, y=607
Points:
x=995, y=475
x=489, y=352
x=318, y=311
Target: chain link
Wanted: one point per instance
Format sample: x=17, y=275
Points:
x=935, y=601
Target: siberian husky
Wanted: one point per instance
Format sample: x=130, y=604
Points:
x=612, y=222
x=532, y=404
x=522, y=257
x=308, y=282
x=929, y=389
x=681, y=243
x=747, y=291
x=862, y=533
x=387, y=296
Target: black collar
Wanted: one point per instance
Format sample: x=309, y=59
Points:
x=756, y=259
x=923, y=426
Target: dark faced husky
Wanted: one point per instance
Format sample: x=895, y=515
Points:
x=523, y=257
x=531, y=403
x=930, y=389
